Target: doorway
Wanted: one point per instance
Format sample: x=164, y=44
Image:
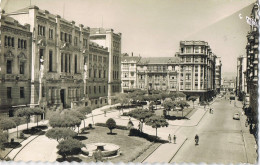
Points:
x=62, y=97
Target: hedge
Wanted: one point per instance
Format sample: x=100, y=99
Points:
x=117, y=126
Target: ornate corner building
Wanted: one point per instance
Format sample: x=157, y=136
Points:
x=252, y=52
x=50, y=62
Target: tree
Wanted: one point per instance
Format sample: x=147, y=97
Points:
x=17, y=120
x=111, y=124
x=64, y=120
x=140, y=115
x=25, y=112
x=37, y=111
x=168, y=104
x=3, y=139
x=193, y=99
x=85, y=111
x=6, y=124
x=69, y=147
x=78, y=115
x=60, y=133
x=164, y=96
x=156, y=122
x=182, y=104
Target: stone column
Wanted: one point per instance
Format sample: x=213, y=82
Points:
x=55, y=96
x=58, y=96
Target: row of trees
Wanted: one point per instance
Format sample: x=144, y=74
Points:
x=63, y=126
x=149, y=118
x=169, y=104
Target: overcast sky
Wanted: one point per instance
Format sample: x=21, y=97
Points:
x=155, y=27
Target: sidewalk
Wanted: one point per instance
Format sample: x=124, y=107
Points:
x=165, y=152
x=250, y=143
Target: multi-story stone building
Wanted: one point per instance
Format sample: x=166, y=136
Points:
x=96, y=66
x=129, y=72
x=158, y=73
x=252, y=63
x=58, y=48
x=218, y=74
x=197, y=69
x=241, y=86
x=111, y=40
x=15, y=63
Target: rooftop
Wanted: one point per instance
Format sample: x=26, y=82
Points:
x=159, y=60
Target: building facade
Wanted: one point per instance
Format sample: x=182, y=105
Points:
x=15, y=63
x=111, y=40
x=252, y=65
x=129, y=72
x=58, y=50
x=197, y=69
x=96, y=67
x=158, y=73
x=218, y=74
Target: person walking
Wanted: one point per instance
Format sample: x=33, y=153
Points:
x=169, y=138
x=174, y=139
x=105, y=113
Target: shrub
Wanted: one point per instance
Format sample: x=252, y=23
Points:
x=151, y=138
x=90, y=126
x=111, y=124
x=12, y=140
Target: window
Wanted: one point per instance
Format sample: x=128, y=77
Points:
x=6, y=41
x=104, y=75
x=41, y=30
x=50, y=61
x=99, y=89
x=69, y=38
x=24, y=44
x=95, y=73
x=95, y=89
x=9, y=67
x=66, y=63
x=75, y=41
x=9, y=41
x=104, y=59
x=95, y=58
x=76, y=64
x=89, y=89
x=90, y=58
x=197, y=49
x=19, y=44
x=188, y=59
x=12, y=41
x=22, y=66
x=99, y=74
x=21, y=92
x=86, y=90
x=104, y=89
x=61, y=62
x=132, y=74
x=61, y=36
x=202, y=49
x=43, y=91
x=69, y=64
x=89, y=72
x=65, y=37
x=51, y=33
x=188, y=49
x=9, y=92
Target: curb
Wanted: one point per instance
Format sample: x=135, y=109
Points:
x=177, y=150
x=150, y=153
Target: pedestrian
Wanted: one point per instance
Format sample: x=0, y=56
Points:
x=174, y=139
x=169, y=138
x=234, y=103
x=139, y=126
x=105, y=113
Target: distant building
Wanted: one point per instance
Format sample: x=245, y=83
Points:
x=241, y=85
x=252, y=52
x=158, y=73
x=218, y=73
x=15, y=63
x=111, y=40
x=197, y=69
x=229, y=85
x=129, y=72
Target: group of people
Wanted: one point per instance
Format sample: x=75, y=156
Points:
x=211, y=110
x=172, y=138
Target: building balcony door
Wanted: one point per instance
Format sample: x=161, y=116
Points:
x=62, y=97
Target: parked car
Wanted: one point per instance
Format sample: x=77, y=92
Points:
x=236, y=116
x=232, y=97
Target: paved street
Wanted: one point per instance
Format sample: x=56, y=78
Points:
x=221, y=138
